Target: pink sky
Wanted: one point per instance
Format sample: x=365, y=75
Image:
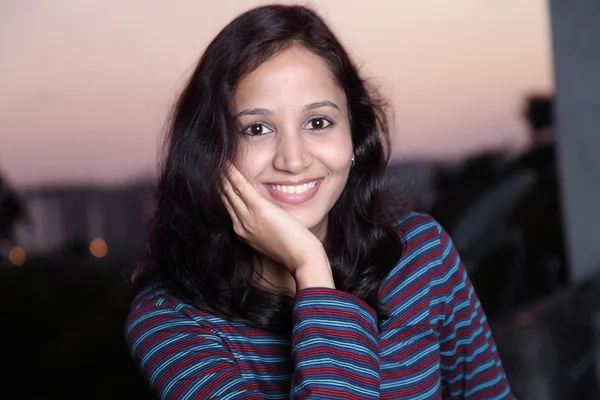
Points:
x=85, y=86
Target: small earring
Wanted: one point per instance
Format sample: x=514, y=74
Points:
x=352, y=162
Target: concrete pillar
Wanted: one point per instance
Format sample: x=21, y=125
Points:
x=576, y=44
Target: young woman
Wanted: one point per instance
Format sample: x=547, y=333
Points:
x=273, y=269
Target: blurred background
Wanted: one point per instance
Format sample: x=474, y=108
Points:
x=496, y=133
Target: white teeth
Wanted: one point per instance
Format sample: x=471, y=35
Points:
x=294, y=189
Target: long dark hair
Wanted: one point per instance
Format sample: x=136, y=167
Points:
x=191, y=247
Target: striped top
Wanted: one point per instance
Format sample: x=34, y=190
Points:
x=436, y=342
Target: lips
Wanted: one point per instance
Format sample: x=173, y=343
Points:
x=294, y=193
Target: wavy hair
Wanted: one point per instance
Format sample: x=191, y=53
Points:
x=191, y=248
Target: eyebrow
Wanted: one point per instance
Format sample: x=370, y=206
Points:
x=267, y=113
x=255, y=111
x=320, y=104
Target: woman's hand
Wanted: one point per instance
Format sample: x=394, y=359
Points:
x=275, y=233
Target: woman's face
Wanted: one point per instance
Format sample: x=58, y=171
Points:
x=295, y=144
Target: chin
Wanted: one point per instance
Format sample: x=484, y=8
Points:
x=311, y=216
x=310, y=220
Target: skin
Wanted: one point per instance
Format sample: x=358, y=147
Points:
x=293, y=127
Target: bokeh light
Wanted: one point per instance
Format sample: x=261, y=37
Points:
x=98, y=248
x=17, y=256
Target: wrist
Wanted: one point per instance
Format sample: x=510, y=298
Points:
x=317, y=273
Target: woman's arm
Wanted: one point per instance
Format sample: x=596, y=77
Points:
x=181, y=359
x=334, y=352
x=335, y=349
x=471, y=367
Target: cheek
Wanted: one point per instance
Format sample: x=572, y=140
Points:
x=336, y=156
x=242, y=160
x=251, y=160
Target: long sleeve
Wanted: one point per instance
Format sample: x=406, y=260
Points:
x=471, y=368
x=334, y=351
x=334, y=347
x=183, y=360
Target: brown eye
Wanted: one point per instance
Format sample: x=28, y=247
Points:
x=257, y=130
x=317, y=124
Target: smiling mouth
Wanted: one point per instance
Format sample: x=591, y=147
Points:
x=294, y=194
x=305, y=187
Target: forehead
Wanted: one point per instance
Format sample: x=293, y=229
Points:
x=295, y=75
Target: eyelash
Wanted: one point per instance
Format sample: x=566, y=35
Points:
x=245, y=130
x=329, y=125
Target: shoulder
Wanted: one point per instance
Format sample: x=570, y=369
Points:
x=151, y=307
x=173, y=345
x=417, y=228
x=411, y=285
x=155, y=296
x=423, y=237
x=155, y=308
x=157, y=316
x=155, y=299
x=422, y=242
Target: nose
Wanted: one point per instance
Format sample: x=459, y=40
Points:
x=293, y=155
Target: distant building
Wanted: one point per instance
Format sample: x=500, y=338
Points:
x=69, y=218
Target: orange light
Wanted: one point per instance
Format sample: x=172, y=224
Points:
x=17, y=256
x=98, y=248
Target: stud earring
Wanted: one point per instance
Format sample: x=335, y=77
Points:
x=352, y=162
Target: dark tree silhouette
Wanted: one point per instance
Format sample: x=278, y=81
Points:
x=11, y=211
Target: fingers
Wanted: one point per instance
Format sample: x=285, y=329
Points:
x=229, y=207
x=241, y=186
x=235, y=219
x=233, y=202
x=243, y=202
